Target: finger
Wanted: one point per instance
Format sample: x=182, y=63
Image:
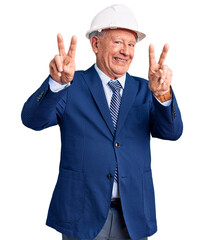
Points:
x=164, y=54
x=58, y=62
x=61, y=45
x=154, y=85
x=53, y=69
x=169, y=77
x=152, y=59
x=68, y=73
x=156, y=75
x=164, y=72
x=69, y=68
x=72, y=49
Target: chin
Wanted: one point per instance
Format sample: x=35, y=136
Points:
x=120, y=71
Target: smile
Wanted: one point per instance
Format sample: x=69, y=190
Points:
x=120, y=59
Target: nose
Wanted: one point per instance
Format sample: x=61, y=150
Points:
x=124, y=50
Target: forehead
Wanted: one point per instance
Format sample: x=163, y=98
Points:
x=121, y=33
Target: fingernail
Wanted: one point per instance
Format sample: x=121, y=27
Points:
x=59, y=74
x=161, y=81
x=60, y=69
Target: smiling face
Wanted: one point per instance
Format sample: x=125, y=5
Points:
x=114, y=52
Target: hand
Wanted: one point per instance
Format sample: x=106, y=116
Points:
x=160, y=75
x=62, y=66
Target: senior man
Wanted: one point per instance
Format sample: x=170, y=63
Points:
x=106, y=117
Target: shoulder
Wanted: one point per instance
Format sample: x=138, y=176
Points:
x=142, y=83
x=81, y=77
x=140, y=80
x=81, y=73
x=78, y=76
x=141, y=86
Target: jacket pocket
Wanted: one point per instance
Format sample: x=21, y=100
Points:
x=68, y=196
x=148, y=196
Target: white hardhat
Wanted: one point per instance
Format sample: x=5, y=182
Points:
x=115, y=16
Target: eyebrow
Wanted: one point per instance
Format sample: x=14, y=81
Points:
x=121, y=38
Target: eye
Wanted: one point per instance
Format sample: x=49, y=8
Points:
x=118, y=42
x=131, y=45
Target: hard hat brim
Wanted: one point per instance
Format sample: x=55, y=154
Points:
x=140, y=35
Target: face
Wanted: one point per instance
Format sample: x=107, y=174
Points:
x=114, y=52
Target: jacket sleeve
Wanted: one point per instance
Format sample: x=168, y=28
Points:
x=166, y=122
x=44, y=108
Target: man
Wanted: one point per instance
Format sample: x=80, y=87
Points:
x=105, y=188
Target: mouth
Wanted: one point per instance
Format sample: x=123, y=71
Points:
x=120, y=59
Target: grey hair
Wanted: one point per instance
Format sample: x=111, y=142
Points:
x=100, y=34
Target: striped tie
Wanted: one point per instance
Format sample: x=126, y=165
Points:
x=114, y=109
x=115, y=100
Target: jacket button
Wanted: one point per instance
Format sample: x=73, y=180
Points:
x=109, y=176
x=117, y=144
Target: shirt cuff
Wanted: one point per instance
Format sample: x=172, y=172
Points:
x=55, y=86
x=166, y=103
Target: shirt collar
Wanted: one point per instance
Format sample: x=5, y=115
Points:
x=105, y=79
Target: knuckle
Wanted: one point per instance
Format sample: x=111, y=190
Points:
x=165, y=67
x=56, y=56
x=57, y=59
x=51, y=64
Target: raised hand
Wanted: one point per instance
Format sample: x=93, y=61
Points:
x=62, y=66
x=160, y=75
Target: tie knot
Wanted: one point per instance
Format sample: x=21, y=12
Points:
x=114, y=85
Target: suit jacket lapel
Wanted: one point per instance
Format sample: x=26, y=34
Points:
x=128, y=97
x=95, y=85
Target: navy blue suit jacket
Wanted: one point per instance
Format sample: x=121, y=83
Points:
x=81, y=198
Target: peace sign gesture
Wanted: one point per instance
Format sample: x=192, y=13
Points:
x=160, y=75
x=62, y=66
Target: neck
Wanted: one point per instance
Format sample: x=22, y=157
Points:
x=111, y=76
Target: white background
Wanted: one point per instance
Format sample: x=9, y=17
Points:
x=29, y=160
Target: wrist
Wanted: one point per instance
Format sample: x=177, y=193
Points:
x=55, y=86
x=164, y=96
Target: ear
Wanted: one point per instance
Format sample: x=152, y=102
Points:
x=95, y=43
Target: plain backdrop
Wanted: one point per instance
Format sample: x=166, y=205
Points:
x=29, y=160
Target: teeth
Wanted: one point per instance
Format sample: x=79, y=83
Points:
x=119, y=59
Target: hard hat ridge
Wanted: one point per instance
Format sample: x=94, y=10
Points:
x=115, y=16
